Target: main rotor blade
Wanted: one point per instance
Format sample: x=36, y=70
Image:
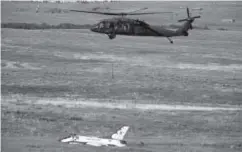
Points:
x=133, y=12
x=144, y=8
x=94, y=12
x=148, y=13
x=118, y=14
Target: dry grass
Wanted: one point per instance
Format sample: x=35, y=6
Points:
x=157, y=130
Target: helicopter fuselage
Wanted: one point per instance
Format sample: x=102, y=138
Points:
x=126, y=26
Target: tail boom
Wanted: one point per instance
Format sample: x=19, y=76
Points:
x=183, y=31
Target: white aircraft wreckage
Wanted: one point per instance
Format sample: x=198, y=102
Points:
x=116, y=139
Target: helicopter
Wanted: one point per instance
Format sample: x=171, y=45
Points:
x=135, y=27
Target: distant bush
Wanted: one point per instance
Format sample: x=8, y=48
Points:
x=33, y=26
x=222, y=29
x=56, y=10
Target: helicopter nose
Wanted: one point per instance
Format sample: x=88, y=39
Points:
x=93, y=29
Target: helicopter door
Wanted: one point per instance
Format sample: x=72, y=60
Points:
x=101, y=25
x=125, y=28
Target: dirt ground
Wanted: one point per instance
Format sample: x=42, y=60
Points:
x=182, y=97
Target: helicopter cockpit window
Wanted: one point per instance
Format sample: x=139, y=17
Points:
x=101, y=25
x=104, y=25
x=96, y=26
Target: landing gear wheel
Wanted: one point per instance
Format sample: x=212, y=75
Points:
x=111, y=36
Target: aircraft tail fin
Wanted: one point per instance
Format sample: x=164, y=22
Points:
x=119, y=135
x=187, y=25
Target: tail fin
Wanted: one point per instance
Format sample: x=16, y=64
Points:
x=187, y=25
x=120, y=133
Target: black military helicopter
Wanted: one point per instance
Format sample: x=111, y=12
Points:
x=134, y=27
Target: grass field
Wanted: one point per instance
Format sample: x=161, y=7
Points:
x=178, y=97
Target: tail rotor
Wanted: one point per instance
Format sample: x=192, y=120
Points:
x=189, y=18
x=188, y=13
